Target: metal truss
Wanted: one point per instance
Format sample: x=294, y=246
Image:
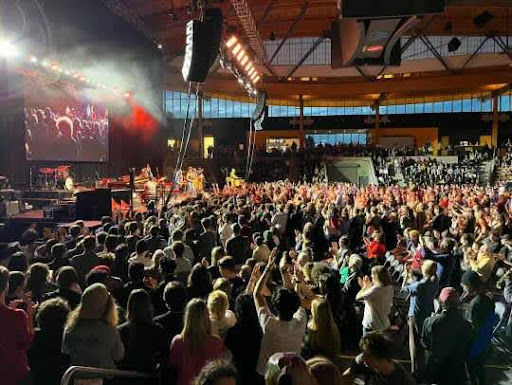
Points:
x=297, y=20
x=251, y=30
x=122, y=10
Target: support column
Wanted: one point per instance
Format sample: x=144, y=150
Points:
x=495, y=121
x=376, y=130
x=200, y=133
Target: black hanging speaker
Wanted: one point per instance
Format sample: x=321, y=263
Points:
x=94, y=204
x=261, y=102
x=202, y=45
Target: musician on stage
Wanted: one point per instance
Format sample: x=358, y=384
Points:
x=178, y=180
x=233, y=180
x=146, y=172
x=190, y=177
x=199, y=181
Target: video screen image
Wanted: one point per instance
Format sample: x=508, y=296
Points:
x=62, y=126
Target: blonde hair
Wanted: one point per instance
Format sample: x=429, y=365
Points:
x=325, y=336
x=429, y=269
x=110, y=316
x=218, y=304
x=196, y=325
x=355, y=262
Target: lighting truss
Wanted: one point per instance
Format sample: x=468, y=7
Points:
x=120, y=8
x=251, y=30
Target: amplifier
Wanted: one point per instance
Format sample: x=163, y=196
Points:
x=60, y=212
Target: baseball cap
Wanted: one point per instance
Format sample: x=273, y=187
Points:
x=449, y=294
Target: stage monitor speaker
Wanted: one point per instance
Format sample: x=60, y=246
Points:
x=202, y=45
x=374, y=9
x=94, y=204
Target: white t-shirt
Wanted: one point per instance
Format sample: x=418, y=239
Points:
x=147, y=262
x=188, y=253
x=280, y=336
x=377, y=306
x=220, y=327
x=183, y=266
x=225, y=232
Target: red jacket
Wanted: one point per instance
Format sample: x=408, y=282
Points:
x=376, y=249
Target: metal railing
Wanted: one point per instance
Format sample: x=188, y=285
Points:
x=73, y=370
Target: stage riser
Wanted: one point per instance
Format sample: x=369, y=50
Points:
x=39, y=203
x=58, y=194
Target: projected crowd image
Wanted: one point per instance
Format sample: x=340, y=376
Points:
x=66, y=129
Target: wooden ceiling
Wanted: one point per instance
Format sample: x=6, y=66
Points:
x=166, y=20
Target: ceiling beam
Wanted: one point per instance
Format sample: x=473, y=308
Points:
x=305, y=57
x=469, y=80
x=297, y=20
x=358, y=69
x=475, y=52
x=435, y=52
x=268, y=8
x=503, y=46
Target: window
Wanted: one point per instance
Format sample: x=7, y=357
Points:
x=504, y=103
x=448, y=106
x=466, y=105
x=333, y=139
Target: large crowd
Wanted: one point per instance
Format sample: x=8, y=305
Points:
x=265, y=283
x=75, y=134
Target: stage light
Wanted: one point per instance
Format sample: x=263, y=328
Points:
x=251, y=71
x=33, y=59
x=241, y=81
x=55, y=66
x=244, y=60
x=248, y=66
x=373, y=48
x=240, y=55
x=257, y=79
x=231, y=41
x=8, y=49
x=237, y=48
x=388, y=76
x=128, y=95
x=45, y=64
x=67, y=72
x=253, y=76
x=82, y=78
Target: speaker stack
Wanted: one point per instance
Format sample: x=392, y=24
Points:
x=93, y=204
x=202, y=45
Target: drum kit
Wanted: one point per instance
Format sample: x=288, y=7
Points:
x=59, y=178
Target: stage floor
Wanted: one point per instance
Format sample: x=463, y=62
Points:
x=38, y=216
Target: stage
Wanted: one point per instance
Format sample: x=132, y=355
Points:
x=13, y=226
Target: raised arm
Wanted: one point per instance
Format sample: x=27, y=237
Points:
x=259, y=298
x=284, y=268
